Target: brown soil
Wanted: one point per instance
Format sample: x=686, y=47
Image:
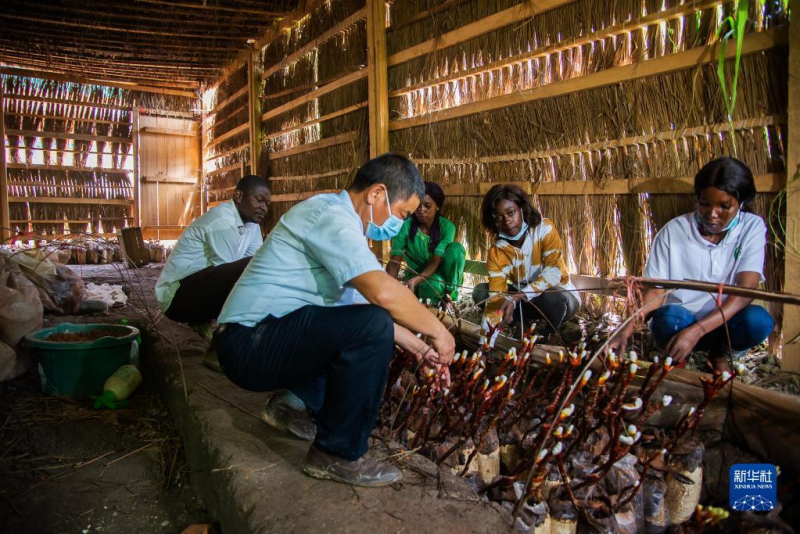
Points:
x=83, y=337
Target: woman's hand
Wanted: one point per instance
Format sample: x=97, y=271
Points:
x=681, y=344
x=413, y=282
x=509, y=305
x=619, y=341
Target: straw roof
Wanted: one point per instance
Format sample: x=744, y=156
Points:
x=156, y=42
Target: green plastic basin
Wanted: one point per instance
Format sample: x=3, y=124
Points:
x=81, y=368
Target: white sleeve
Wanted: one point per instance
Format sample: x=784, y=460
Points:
x=658, y=262
x=750, y=252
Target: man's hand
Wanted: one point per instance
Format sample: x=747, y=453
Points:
x=681, y=344
x=445, y=347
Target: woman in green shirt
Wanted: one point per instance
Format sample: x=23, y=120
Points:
x=435, y=263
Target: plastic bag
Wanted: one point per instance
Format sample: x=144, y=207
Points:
x=623, y=476
x=656, y=515
x=12, y=365
x=20, y=307
x=62, y=292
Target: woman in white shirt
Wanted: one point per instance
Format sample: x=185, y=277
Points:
x=719, y=242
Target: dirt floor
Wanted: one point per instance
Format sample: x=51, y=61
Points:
x=65, y=467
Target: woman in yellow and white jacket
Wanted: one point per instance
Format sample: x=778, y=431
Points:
x=528, y=279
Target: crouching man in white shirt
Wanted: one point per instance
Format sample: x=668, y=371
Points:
x=719, y=243
x=211, y=255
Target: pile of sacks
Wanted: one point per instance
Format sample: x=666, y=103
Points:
x=32, y=282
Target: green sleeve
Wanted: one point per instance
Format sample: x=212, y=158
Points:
x=448, y=235
x=400, y=241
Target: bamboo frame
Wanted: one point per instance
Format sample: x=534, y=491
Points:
x=227, y=168
x=228, y=152
x=753, y=43
x=221, y=105
x=309, y=47
x=65, y=118
x=488, y=24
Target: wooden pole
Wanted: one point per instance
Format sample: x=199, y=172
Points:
x=378, y=90
x=201, y=163
x=378, y=78
x=5, y=224
x=791, y=315
x=254, y=107
x=137, y=205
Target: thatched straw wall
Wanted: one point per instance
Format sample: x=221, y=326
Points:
x=42, y=119
x=227, y=159
x=627, y=130
x=307, y=150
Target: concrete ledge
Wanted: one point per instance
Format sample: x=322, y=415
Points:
x=250, y=477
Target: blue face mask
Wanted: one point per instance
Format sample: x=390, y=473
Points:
x=390, y=228
x=730, y=226
x=515, y=237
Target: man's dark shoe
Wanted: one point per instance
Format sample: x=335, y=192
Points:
x=367, y=472
x=279, y=414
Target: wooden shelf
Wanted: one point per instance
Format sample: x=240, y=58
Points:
x=168, y=131
x=65, y=135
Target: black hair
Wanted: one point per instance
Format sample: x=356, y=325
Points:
x=515, y=194
x=400, y=176
x=432, y=190
x=249, y=183
x=729, y=175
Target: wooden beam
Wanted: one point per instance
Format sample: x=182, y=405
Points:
x=324, y=90
x=5, y=225
x=184, y=180
x=68, y=168
x=378, y=81
x=227, y=101
x=303, y=8
x=65, y=118
x=229, y=152
x=295, y=197
x=791, y=314
x=488, y=24
x=765, y=183
x=308, y=176
x=137, y=186
x=75, y=136
x=204, y=7
x=637, y=140
x=115, y=29
x=444, y=6
x=227, y=168
x=307, y=48
x=63, y=200
x=308, y=147
x=107, y=83
x=65, y=101
x=329, y=116
x=168, y=131
x=753, y=43
x=227, y=135
x=561, y=46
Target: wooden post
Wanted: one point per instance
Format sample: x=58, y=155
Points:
x=378, y=89
x=137, y=206
x=378, y=74
x=201, y=160
x=5, y=218
x=791, y=314
x=254, y=106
